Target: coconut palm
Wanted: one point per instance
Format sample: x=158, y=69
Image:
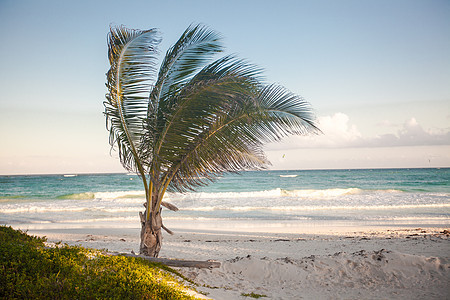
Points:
x=182, y=126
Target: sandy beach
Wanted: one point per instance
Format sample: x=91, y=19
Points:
x=330, y=263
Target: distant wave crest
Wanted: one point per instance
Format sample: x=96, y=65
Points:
x=277, y=193
x=104, y=195
x=79, y=196
x=316, y=208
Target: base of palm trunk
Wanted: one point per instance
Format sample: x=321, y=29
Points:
x=151, y=240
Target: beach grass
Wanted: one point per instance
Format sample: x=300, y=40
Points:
x=29, y=269
x=253, y=295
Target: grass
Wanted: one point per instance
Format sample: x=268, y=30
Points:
x=253, y=295
x=30, y=270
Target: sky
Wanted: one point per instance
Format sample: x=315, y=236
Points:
x=377, y=74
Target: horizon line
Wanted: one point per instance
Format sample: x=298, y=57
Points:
x=267, y=170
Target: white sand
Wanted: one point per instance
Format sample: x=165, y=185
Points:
x=348, y=264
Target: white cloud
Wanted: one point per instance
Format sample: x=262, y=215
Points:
x=412, y=134
x=339, y=132
x=387, y=123
x=357, y=158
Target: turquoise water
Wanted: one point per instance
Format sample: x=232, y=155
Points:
x=413, y=197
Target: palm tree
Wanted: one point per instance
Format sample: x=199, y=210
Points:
x=192, y=121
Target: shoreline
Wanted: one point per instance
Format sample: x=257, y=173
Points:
x=349, y=263
x=414, y=241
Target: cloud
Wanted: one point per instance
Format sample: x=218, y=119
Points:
x=412, y=134
x=388, y=123
x=339, y=132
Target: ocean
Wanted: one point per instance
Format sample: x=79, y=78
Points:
x=254, y=200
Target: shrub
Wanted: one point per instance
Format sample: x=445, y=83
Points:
x=28, y=269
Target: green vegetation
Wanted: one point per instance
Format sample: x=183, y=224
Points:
x=29, y=270
x=253, y=295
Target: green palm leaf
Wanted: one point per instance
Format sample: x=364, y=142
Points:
x=211, y=91
x=223, y=119
x=195, y=47
x=132, y=58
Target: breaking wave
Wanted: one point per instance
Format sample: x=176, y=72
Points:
x=277, y=193
x=316, y=208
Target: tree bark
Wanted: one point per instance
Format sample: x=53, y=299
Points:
x=176, y=262
x=151, y=235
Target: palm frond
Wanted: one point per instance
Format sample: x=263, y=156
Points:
x=209, y=94
x=132, y=56
x=193, y=50
x=225, y=124
x=281, y=113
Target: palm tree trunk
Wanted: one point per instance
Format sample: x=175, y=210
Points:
x=151, y=235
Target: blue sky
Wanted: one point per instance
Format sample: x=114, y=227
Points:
x=377, y=74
